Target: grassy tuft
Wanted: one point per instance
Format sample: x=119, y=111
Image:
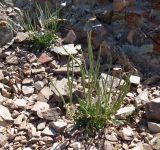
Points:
x=42, y=40
x=42, y=28
x=96, y=109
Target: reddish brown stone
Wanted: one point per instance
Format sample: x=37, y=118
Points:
x=44, y=58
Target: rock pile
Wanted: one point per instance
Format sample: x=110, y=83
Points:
x=129, y=26
x=31, y=116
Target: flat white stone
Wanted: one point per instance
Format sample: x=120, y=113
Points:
x=44, y=94
x=19, y=119
x=40, y=106
x=58, y=125
x=135, y=79
x=5, y=114
x=156, y=100
x=126, y=111
x=27, y=90
x=21, y=103
x=65, y=50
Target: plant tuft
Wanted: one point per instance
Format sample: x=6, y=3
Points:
x=96, y=108
x=42, y=28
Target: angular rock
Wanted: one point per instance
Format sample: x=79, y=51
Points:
x=15, y=114
x=5, y=114
x=59, y=125
x=27, y=90
x=142, y=98
x=5, y=93
x=27, y=81
x=19, y=119
x=147, y=146
x=23, y=125
x=44, y=58
x=38, y=85
x=41, y=125
x=3, y=139
x=138, y=146
x=109, y=79
x=156, y=93
x=47, y=139
x=71, y=37
x=44, y=94
x=51, y=114
x=40, y=106
x=155, y=142
x=62, y=87
x=32, y=129
x=127, y=133
x=31, y=57
x=135, y=80
x=20, y=138
x=65, y=50
x=59, y=146
x=49, y=131
x=125, y=146
x=1, y=65
x=21, y=36
x=8, y=103
x=12, y=60
x=20, y=103
x=37, y=71
x=54, y=64
x=107, y=145
x=154, y=127
x=130, y=95
x=124, y=112
x=112, y=137
x=152, y=109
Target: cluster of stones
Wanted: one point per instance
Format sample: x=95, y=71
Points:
x=30, y=112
